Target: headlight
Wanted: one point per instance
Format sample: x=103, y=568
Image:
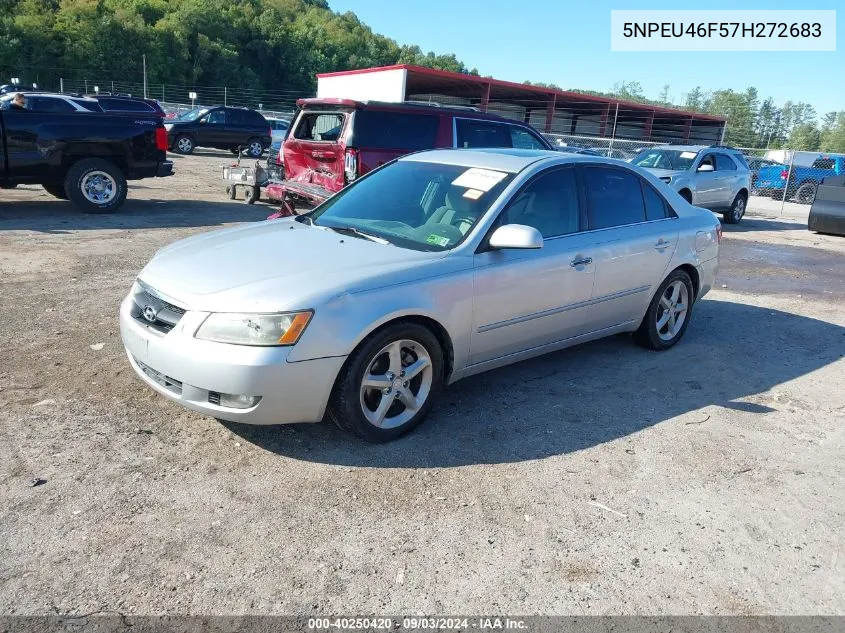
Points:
x=254, y=329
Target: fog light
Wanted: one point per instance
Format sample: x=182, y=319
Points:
x=232, y=400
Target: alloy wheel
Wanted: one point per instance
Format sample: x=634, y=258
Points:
x=396, y=384
x=672, y=310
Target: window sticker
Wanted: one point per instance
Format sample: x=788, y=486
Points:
x=477, y=178
x=473, y=194
x=437, y=240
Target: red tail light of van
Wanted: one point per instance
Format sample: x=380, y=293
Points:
x=161, y=138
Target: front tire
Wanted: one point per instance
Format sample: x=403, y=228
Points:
x=737, y=210
x=251, y=194
x=668, y=314
x=57, y=191
x=96, y=185
x=389, y=384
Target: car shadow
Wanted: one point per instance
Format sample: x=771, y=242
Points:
x=56, y=216
x=588, y=395
x=750, y=224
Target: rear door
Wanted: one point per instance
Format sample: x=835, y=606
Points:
x=380, y=136
x=314, y=150
x=728, y=179
x=634, y=234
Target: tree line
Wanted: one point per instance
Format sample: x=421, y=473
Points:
x=251, y=44
x=280, y=45
x=751, y=122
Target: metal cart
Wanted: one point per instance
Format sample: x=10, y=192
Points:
x=250, y=178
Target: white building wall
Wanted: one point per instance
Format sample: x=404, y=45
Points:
x=382, y=85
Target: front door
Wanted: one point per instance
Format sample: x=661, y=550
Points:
x=706, y=183
x=212, y=132
x=524, y=299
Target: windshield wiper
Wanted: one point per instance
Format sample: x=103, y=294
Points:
x=359, y=233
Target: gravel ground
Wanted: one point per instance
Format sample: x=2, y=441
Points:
x=600, y=480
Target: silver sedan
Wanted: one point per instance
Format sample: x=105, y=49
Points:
x=433, y=268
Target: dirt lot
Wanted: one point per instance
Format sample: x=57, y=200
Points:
x=603, y=479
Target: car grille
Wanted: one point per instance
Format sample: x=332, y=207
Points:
x=214, y=397
x=171, y=384
x=154, y=312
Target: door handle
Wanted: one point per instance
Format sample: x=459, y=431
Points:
x=662, y=244
x=581, y=261
x=320, y=155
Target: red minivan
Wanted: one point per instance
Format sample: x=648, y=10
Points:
x=331, y=142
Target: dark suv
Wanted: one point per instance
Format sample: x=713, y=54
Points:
x=120, y=104
x=220, y=127
x=331, y=142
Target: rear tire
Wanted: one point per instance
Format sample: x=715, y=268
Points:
x=183, y=144
x=806, y=193
x=96, y=185
x=362, y=405
x=673, y=300
x=737, y=210
x=251, y=194
x=254, y=148
x=57, y=191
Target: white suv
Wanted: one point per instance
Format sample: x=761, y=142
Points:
x=714, y=177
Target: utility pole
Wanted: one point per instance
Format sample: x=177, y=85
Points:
x=144, y=60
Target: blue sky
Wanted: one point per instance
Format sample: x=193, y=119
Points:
x=568, y=43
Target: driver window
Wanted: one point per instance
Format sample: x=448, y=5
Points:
x=217, y=117
x=709, y=159
x=549, y=204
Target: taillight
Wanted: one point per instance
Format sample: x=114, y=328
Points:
x=161, y=139
x=719, y=233
x=350, y=165
x=784, y=174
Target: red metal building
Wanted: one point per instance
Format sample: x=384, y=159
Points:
x=548, y=110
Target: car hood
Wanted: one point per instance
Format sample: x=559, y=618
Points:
x=664, y=172
x=278, y=265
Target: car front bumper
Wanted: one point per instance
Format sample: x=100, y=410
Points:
x=191, y=372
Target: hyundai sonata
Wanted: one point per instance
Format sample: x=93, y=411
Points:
x=435, y=267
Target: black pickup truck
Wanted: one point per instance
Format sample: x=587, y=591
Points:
x=82, y=157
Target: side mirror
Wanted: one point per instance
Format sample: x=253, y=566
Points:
x=516, y=236
x=705, y=168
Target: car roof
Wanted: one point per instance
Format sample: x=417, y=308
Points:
x=55, y=95
x=499, y=158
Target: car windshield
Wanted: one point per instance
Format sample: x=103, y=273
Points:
x=665, y=159
x=416, y=205
x=192, y=115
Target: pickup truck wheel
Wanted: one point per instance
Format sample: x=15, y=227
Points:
x=184, y=144
x=254, y=148
x=96, y=185
x=737, y=210
x=57, y=191
x=806, y=193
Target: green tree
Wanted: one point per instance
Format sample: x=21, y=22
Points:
x=806, y=137
x=833, y=133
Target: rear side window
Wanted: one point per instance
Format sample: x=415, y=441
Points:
x=724, y=163
x=319, y=127
x=88, y=105
x=655, y=206
x=824, y=163
x=394, y=130
x=523, y=139
x=615, y=197
x=124, y=106
x=46, y=104
x=476, y=133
